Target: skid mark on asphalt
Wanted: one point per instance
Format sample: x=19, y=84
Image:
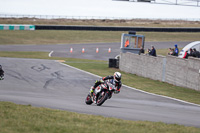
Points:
x=55, y=76
x=40, y=68
x=16, y=75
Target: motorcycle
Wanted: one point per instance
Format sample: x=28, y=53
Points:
x=101, y=94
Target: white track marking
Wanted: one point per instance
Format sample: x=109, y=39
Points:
x=50, y=53
x=132, y=87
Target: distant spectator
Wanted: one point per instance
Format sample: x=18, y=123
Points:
x=141, y=50
x=190, y=52
x=195, y=53
x=176, y=50
x=153, y=51
x=185, y=54
x=148, y=51
x=173, y=52
x=127, y=43
x=170, y=51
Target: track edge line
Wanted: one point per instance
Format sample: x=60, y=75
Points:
x=175, y=99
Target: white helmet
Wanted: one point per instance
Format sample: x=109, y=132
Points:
x=117, y=76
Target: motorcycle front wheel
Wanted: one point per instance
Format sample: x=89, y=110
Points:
x=102, y=98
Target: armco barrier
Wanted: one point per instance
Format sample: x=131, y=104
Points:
x=16, y=27
x=94, y=28
x=100, y=28
x=170, y=69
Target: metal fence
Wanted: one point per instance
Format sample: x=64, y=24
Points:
x=85, y=17
x=171, y=2
x=179, y=2
x=59, y=17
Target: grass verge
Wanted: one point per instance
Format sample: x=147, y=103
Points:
x=27, y=119
x=70, y=37
x=101, y=68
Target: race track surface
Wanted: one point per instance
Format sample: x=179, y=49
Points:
x=63, y=50
x=47, y=83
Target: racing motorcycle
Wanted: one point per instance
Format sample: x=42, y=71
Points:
x=101, y=94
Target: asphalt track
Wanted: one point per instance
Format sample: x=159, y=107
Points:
x=63, y=50
x=47, y=83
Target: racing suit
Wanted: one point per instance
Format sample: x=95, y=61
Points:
x=111, y=80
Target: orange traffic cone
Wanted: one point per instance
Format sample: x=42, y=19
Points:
x=71, y=50
x=83, y=50
x=97, y=50
x=109, y=50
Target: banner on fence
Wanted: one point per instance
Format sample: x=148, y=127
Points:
x=16, y=27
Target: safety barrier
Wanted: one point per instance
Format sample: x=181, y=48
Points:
x=170, y=69
x=94, y=28
x=102, y=28
x=16, y=27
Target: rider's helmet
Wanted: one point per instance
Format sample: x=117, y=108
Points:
x=117, y=76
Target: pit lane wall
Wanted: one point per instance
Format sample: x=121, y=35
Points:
x=170, y=69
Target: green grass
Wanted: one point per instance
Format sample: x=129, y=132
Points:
x=43, y=55
x=101, y=68
x=27, y=119
x=37, y=55
x=162, y=52
x=70, y=37
x=57, y=37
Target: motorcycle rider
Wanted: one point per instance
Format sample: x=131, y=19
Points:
x=1, y=73
x=115, y=80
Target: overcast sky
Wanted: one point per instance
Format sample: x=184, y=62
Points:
x=104, y=8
